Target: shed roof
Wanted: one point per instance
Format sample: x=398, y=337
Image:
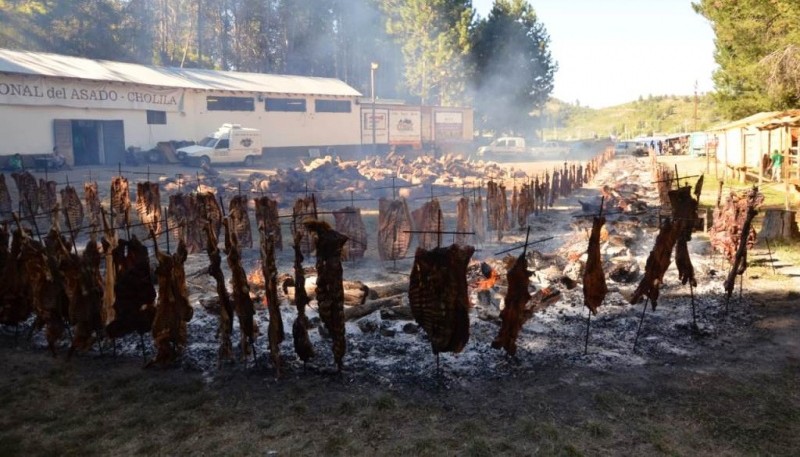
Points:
x=61, y=66
x=745, y=122
x=789, y=118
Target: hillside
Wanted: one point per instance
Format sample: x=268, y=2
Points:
x=655, y=114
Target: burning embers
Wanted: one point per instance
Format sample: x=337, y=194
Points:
x=438, y=292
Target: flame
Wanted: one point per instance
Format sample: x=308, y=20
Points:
x=256, y=278
x=489, y=282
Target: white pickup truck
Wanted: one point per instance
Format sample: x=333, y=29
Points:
x=509, y=147
x=231, y=143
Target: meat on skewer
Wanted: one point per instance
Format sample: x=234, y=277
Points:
x=45, y=291
x=304, y=208
x=86, y=311
x=302, y=343
x=657, y=263
x=120, y=201
x=516, y=312
x=92, y=201
x=48, y=197
x=237, y=212
x=148, y=206
x=428, y=221
x=28, y=192
x=242, y=303
x=225, y=329
x=6, y=206
x=394, y=227
x=73, y=210
x=15, y=290
x=184, y=222
x=330, y=290
x=134, y=294
x=594, y=280
x=208, y=210
x=462, y=221
x=350, y=224
x=275, y=332
x=438, y=296
x=267, y=216
x=173, y=311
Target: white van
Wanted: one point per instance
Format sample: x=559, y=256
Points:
x=231, y=143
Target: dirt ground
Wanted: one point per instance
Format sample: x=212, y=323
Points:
x=737, y=397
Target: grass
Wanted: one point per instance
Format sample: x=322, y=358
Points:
x=712, y=406
x=731, y=416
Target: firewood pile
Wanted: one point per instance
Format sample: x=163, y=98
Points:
x=339, y=177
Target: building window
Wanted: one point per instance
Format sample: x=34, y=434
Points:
x=215, y=103
x=332, y=106
x=156, y=117
x=297, y=105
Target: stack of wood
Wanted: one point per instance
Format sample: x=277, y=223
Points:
x=729, y=219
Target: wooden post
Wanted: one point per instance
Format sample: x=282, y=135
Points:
x=761, y=161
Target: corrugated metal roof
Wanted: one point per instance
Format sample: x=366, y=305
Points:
x=61, y=66
x=789, y=118
x=747, y=121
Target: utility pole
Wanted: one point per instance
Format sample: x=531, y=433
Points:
x=372, y=67
x=695, y=105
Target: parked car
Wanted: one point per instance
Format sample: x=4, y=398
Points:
x=624, y=148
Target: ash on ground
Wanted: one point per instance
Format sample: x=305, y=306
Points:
x=385, y=350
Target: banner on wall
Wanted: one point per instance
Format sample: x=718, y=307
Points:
x=405, y=126
x=374, y=125
x=17, y=90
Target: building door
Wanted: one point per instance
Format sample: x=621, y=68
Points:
x=62, y=138
x=113, y=133
x=86, y=142
x=89, y=142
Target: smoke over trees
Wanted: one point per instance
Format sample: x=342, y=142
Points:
x=434, y=36
x=513, y=68
x=428, y=51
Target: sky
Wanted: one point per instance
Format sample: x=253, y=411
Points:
x=613, y=51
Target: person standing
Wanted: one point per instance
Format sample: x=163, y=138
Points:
x=777, y=161
x=57, y=160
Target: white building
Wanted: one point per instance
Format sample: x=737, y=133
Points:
x=92, y=110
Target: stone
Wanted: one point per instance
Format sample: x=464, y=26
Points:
x=624, y=271
x=367, y=324
x=411, y=328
